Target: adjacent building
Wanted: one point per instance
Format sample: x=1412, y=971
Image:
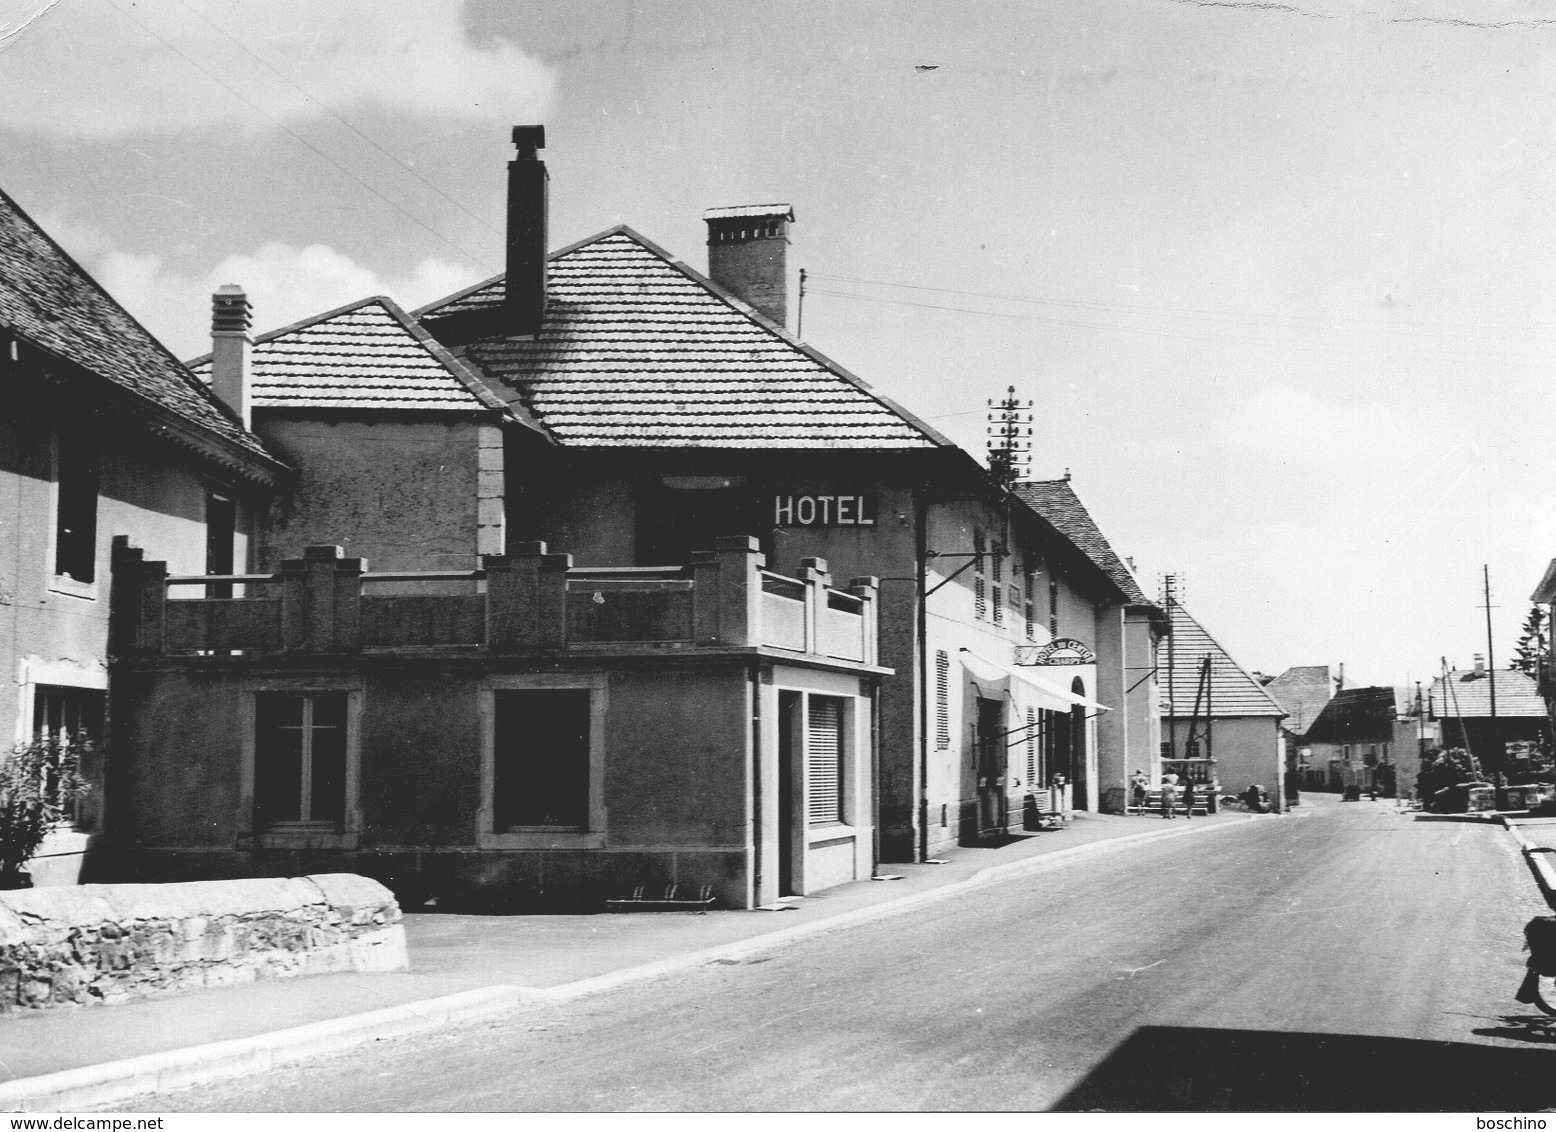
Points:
x=1490, y=713
x=103, y=433
x=1213, y=709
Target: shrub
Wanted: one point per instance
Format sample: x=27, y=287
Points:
x=40, y=784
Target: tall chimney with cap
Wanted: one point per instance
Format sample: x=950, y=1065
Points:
x=231, y=318
x=528, y=193
x=748, y=255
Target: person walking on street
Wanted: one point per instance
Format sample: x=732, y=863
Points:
x=1139, y=783
x=1188, y=796
x=1169, y=795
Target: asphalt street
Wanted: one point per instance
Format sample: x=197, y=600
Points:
x=1347, y=957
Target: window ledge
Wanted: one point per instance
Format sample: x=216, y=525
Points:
x=299, y=837
x=65, y=584
x=542, y=839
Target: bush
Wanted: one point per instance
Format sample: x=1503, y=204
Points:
x=40, y=784
x=1441, y=768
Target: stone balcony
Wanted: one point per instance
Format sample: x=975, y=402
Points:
x=527, y=602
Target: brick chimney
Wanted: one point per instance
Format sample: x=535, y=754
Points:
x=748, y=255
x=1480, y=665
x=231, y=318
x=528, y=192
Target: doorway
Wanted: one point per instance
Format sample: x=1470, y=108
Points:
x=990, y=761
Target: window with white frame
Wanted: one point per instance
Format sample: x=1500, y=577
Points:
x=70, y=720
x=824, y=759
x=76, y=476
x=300, y=750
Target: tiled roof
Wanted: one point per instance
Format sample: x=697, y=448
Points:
x=1302, y=693
x=368, y=355
x=1355, y=715
x=1232, y=690
x=638, y=350
x=737, y=211
x=1057, y=502
x=48, y=300
x=1465, y=693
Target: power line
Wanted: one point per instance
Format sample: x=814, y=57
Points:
x=1179, y=335
x=407, y=167
x=295, y=136
x=1326, y=321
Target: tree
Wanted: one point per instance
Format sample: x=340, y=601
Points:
x=1534, y=645
x=40, y=784
x=1443, y=767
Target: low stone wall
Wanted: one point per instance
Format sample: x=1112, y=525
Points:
x=101, y=943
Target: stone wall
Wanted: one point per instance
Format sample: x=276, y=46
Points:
x=110, y=943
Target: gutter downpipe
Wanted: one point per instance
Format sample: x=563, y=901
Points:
x=921, y=551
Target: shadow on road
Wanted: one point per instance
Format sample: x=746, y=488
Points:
x=1186, y=1069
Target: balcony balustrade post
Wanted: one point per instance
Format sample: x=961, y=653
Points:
x=739, y=586
x=551, y=601
x=318, y=614
x=347, y=601
x=814, y=573
x=124, y=597
x=503, y=630
x=867, y=589
x=152, y=635
x=705, y=569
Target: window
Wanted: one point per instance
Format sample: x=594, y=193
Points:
x=980, y=581
x=942, y=699
x=75, y=507
x=824, y=760
x=1031, y=749
x=997, y=568
x=1029, y=605
x=541, y=759
x=300, y=760
x=72, y=716
x=221, y=523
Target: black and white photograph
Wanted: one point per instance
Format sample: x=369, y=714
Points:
x=659, y=556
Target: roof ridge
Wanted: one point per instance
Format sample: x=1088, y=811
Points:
x=1220, y=648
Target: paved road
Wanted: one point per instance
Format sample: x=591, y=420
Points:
x=1344, y=958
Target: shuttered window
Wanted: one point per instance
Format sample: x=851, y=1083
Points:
x=1031, y=748
x=824, y=760
x=942, y=700
x=1029, y=604
x=997, y=569
x=980, y=582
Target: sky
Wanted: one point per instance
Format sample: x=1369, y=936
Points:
x=1276, y=277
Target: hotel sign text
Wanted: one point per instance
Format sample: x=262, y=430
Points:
x=823, y=511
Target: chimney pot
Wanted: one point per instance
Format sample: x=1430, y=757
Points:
x=231, y=318
x=1480, y=663
x=524, y=284
x=748, y=255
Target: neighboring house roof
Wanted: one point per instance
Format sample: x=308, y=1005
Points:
x=366, y=355
x=1355, y=715
x=638, y=350
x=1466, y=693
x=1056, y=502
x=48, y=300
x=1302, y=693
x=1232, y=690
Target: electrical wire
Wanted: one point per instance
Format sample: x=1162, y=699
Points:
x=294, y=135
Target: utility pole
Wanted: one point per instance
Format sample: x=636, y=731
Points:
x=1010, y=439
x=1491, y=670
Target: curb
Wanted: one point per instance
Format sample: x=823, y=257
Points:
x=1541, y=860
x=76, y=1089
x=112, y=1081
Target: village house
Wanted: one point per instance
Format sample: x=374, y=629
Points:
x=1493, y=714
x=1355, y=741
x=754, y=627
x=1218, y=722
x=103, y=434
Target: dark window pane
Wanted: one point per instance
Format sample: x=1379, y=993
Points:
x=329, y=774
x=278, y=758
x=541, y=765
x=75, y=518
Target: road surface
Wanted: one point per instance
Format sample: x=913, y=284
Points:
x=1345, y=957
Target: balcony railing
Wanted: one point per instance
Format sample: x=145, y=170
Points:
x=529, y=601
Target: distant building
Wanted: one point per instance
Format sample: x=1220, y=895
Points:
x=1353, y=741
x=1485, y=711
x=1302, y=693
x=1213, y=708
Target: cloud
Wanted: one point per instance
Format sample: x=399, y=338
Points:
x=105, y=68
x=283, y=283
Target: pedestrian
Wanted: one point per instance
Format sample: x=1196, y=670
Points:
x=1169, y=795
x=1139, y=783
x=1188, y=796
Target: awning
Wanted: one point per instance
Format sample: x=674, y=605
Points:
x=1049, y=695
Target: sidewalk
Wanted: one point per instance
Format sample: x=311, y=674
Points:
x=492, y=962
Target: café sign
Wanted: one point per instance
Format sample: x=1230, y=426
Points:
x=824, y=510
x=1060, y=650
